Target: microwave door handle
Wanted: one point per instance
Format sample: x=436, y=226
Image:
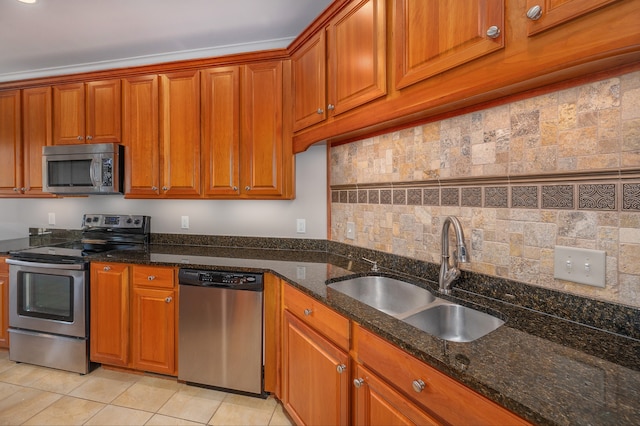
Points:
x=93, y=171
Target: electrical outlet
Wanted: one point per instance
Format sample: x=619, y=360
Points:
x=580, y=265
x=184, y=222
x=52, y=218
x=301, y=226
x=351, y=230
x=301, y=272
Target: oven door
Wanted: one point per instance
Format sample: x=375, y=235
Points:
x=49, y=298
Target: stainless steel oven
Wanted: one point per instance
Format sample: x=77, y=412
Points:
x=49, y=292
x=48, y=314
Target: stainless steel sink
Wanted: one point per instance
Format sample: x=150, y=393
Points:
x=454, y=322
x=419, y=307
x=388, y=295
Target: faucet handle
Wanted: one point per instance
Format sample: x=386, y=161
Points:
x=374, y=267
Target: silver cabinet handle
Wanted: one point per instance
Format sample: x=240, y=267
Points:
x=23, y=189
x=80, y=138
x=168, y=299
x=341, y=368
x=15, y=189
x=307, y=312
x=320, y=111
x=358, y=382
x=235, y=188
x=331, y=107
x=418, y=385
x=534, y=13
x=89, y=138
x=151, y=277
x=493, y=32
x=164, y=188
x=246, y=188
x=106, y=268
x=154, y=188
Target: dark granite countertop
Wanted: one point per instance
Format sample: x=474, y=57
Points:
x=547, y=369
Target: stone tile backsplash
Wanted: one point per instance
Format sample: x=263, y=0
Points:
x=562, y=168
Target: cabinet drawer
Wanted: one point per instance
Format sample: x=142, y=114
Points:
x=317, y=315
x=441, y=395
x=153, y=276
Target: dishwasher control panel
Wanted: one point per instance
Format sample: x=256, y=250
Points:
x=205, y=278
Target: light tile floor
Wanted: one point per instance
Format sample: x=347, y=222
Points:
x=33, y=395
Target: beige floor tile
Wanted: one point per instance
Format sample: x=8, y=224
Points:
x=267, y=404
x=23, y=374
x=279, y=417
x=160, y=420
x=192, y=403
x=112, y=415
x=101, y=389
x=59, y=381
x=232, y=414
x=7, y=389
x=24, y=404
x=66, y=411
x=144, y=396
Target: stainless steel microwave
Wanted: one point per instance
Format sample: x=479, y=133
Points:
x=83, y=169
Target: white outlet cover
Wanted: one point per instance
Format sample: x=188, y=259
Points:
x=351, y=230
x=580, y=265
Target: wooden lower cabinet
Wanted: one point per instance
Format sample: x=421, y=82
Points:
x=133, y=317
x=109, y=314
x=316, y=377
x=153, y=319
x=4, y=303
x=377, y=403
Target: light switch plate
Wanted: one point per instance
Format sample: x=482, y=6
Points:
x=351, y=230
x=184, y=222
x=301, y=226
x=580, y=265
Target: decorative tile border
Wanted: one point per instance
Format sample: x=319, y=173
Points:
x=580, y=191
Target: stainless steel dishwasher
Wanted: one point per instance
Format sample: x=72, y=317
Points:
x=221, y=330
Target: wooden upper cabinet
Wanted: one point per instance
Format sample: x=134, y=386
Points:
x=10, y=143
x=36, y=133
x=309, y=82
x=87, y=112
x=262, y=158
x=180, y=133
x=356, y=40
x=545, y=14
x=432, y=36
x=140, y=135
x=220, y=98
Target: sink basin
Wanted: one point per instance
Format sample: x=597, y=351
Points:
x=388, y=295
x=453, y=322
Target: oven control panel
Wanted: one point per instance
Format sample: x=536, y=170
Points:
x=114, y=221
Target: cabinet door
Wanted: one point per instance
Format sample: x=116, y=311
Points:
x=10, y=143
x=4, y=303
x=153, y=330
x=140, y=136
x=103, y=112
x=376, y=403
x=221, y=130
x=262, y=145
x=314, y=391
x=68, y=114
x=432, y=36
x=36, y=133
x=556, y=12
x=308, y=71
x=357, y=55
x=109, y=341
x=180, y=133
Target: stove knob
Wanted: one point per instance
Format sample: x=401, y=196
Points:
x=129, y=220
x=136, y=222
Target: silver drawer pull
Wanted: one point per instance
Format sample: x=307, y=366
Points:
x=341, y=368
x=358, y=383
x=493, y=32
x=534, y=13
x=106, y=268
x=418, y=385
x=151, y=277
x=307, y=312
x=168, y=299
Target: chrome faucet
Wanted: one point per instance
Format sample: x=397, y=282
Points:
x=448, y=273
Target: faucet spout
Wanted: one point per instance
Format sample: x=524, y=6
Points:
x=448, y=273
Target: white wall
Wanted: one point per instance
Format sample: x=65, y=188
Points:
x=256, y=218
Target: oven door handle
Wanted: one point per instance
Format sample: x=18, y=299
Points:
x=72, y=266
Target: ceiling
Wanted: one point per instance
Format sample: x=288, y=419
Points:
x=54, y=37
